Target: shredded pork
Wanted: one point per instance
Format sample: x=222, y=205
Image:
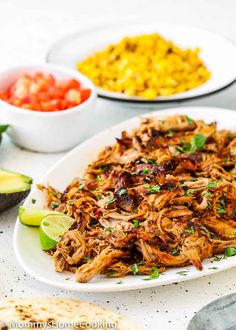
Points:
x=163, y=195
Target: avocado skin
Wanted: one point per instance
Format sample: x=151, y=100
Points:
x=12, y=199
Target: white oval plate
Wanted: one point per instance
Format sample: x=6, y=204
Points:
x=217, y=53
x=26, y=239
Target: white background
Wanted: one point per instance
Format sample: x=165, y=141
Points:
x=27, y=29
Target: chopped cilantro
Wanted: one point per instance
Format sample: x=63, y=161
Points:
x=185, y=148
x=145, y=170
x=213, y=268
x=190, y=231
x=198, y=142
x=151, y=162
x=134, y=269
x=135, y=211
x=155, y=189
x=146, y=185
x=183, y=272
x=122, y=192
x=155, y=274
x=208, y=194
x=105, y=168
x=87, y=259
x=174, y=252
x=53, y=205
x=221, y=210
x=81, y=186
x=230, y=251
x=189, y=192
x=136, y=223
x=98, y=178
x=212, y=184
x=189, y=120
x=111, y=273
x=33, y=201
x=216, y=258
x=111, y=199
x=170, y=133
x=110, y=229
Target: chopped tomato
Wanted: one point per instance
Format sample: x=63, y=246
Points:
x=41, y=92
x=85, y=93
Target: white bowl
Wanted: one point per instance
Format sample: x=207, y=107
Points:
x=47, y=131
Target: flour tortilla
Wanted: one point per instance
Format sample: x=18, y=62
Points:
x=27, y=310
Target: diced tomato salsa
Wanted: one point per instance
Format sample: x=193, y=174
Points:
x=42, y=92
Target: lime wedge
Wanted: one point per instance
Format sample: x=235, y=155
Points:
x=32, y=216
x=52, y=228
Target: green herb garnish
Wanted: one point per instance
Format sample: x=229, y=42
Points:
x=98, y=178
x=136, y=223
x=134, y=269
x=155, y=274
x=183, y=272
x=212, y=184
x=170, y=133
x=221, y=209
x=230, y=251
x=105, y=168
x=81, y=186
x=189, y=192
x=110, y=229
x=189, y=120
x=175, y=251
x=216, y=258
x=122, y=192
x=190, y=231
x=155, y=189
x=111, y=199
x=198, y=142
x=208, y=194
x=33, y=201
x=87, y=259
x=145, y=170
x=213, y=268
x=53, y=205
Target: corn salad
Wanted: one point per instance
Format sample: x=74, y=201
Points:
x=146, y=66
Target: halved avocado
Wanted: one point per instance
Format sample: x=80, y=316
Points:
x=3, y=128
x=14, y=187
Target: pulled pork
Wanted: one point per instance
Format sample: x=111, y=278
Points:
x=163, y=195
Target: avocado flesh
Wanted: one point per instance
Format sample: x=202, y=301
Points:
x=14, y=187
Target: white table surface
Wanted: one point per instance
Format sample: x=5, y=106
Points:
x=27, y=29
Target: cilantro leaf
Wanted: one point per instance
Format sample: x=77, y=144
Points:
x=230, y=251
x=134, y=269
x=155, y=274
x=155, y=189
x=136, y=223
x=189, y=120
x=122, y=192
